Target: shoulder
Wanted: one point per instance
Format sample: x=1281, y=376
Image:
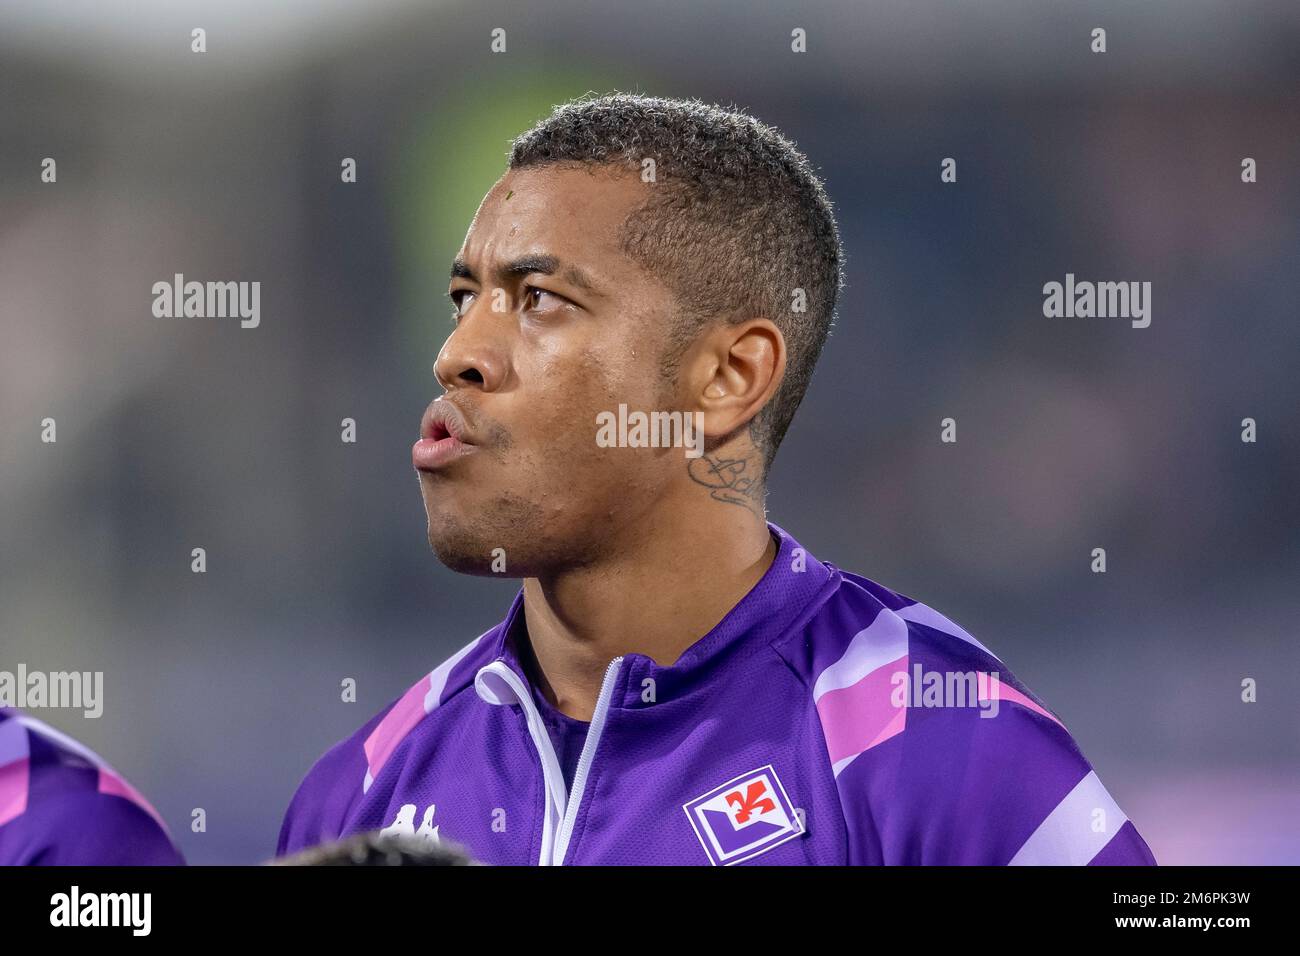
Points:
x=94, y=828
x=870, y=656
x=940, y=754
x=340, y=778
x=62, y=804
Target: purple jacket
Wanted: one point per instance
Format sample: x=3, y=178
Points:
x=825, y=720
x=60, y=804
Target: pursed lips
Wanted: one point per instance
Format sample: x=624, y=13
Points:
x=443, y=437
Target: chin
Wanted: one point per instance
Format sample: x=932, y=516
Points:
x=496, y=538
x=511, y=540
x=465, y=562
x=464, y=548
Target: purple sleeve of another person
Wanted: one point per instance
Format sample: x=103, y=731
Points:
x=61, y=805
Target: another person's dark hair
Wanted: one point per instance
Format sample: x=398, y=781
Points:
x=736, y=222
x=376, y=848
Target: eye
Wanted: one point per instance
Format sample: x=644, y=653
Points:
x=461, y=301
x=540, y=300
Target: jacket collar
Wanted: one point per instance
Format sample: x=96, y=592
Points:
x=789, y=591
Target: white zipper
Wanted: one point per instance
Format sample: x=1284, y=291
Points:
x=561, y=811
x=585, y=758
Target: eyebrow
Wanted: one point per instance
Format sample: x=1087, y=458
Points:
x=531, y=264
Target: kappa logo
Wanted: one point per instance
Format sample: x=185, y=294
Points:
x=744, y=817
x=404, y=824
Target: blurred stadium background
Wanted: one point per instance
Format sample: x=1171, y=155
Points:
x=222, y=688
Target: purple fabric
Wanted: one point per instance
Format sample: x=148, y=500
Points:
x=567, y=734
x=61, y=805
x=727, y=757
x=1120, y=850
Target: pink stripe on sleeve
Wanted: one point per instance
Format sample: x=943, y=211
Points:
x=14, y=777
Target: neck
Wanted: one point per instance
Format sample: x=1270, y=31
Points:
x=676, y=575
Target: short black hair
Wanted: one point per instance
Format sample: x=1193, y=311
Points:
x=741, y=222
x=378, y=848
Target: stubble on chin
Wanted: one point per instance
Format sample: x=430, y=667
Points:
x=510, y=537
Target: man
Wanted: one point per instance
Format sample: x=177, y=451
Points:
x=61, y=804
x=678, y=682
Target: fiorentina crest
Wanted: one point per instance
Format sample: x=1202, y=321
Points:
x=744, y=817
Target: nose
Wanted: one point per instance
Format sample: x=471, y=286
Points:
x=474, y=353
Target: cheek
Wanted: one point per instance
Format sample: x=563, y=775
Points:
x=576, y=391
x=572, y=392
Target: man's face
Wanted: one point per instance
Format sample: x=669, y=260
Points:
x=555, y=325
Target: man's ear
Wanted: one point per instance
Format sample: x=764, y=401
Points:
x=733, y=371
